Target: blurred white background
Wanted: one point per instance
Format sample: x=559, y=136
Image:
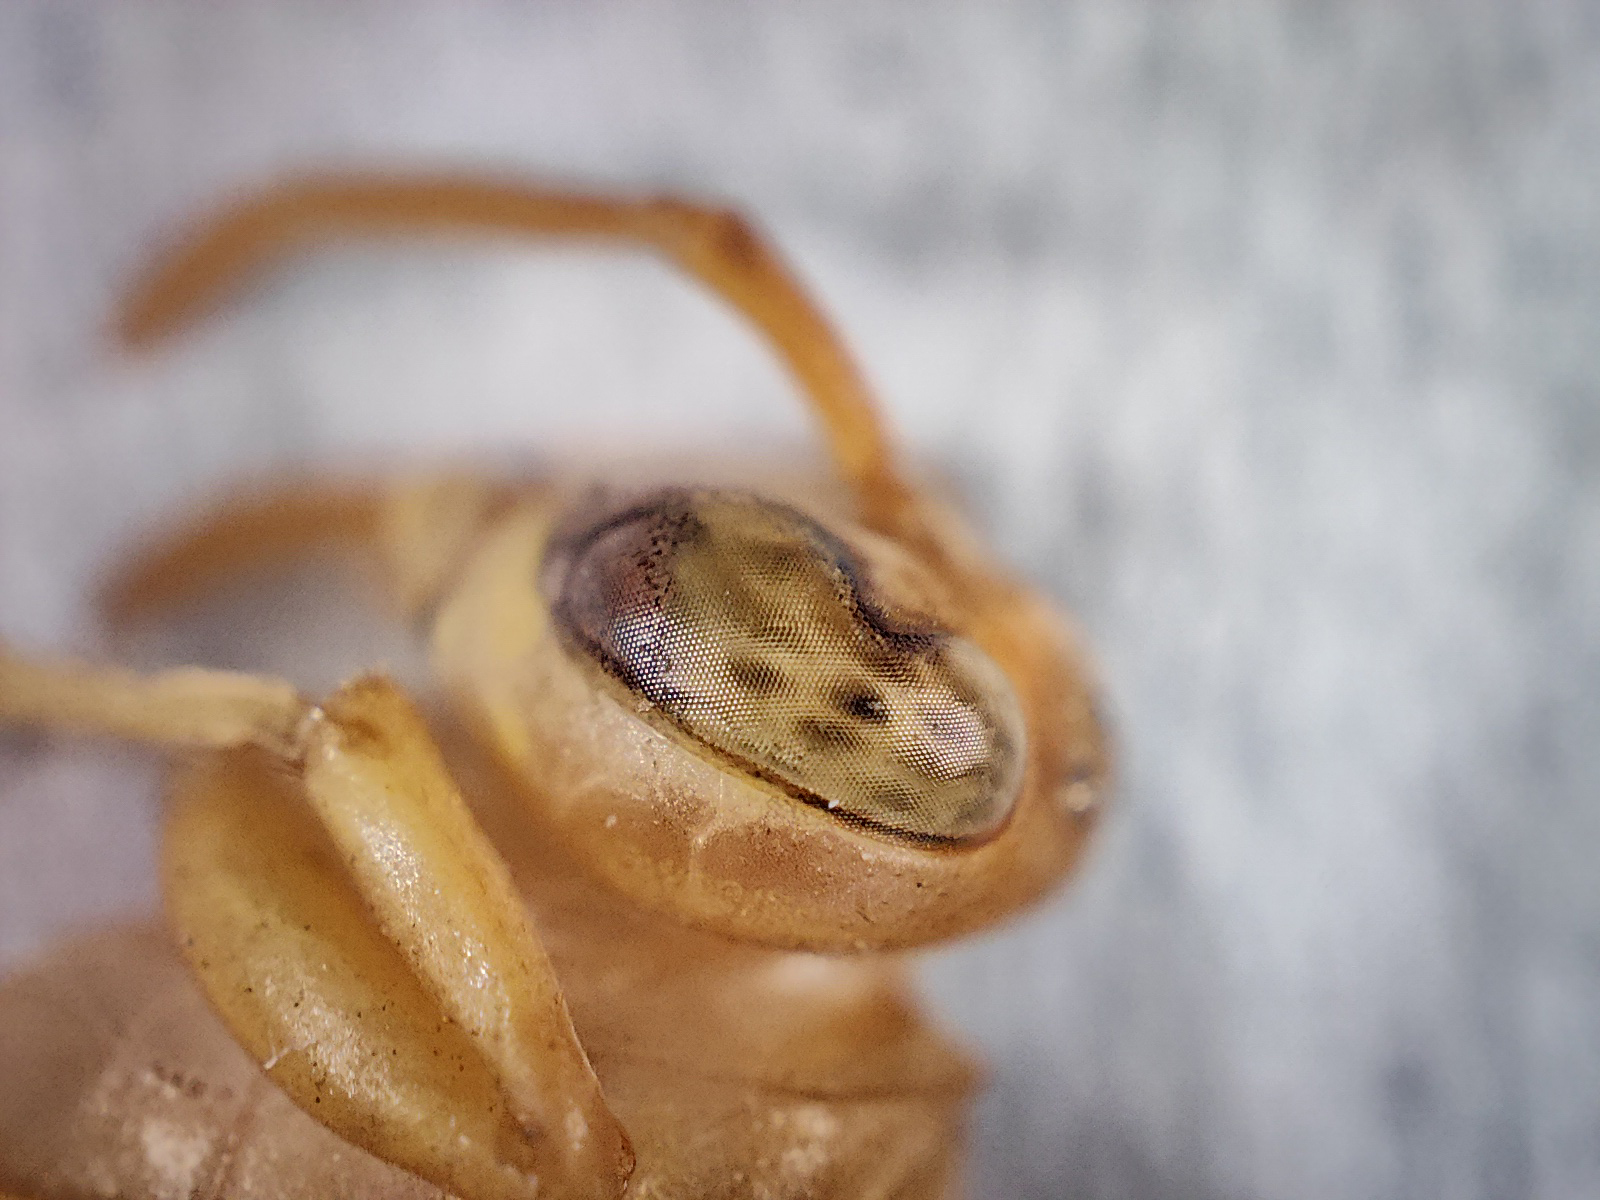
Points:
x=1267, y=337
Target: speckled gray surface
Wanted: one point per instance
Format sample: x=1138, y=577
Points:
x=1265, y=336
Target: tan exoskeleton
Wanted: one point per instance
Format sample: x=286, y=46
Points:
x=725, y=752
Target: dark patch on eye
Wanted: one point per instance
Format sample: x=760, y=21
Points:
x=756, y=675
x=901, y=634
x=679, y=528
x=826, y=735
x=895, y=799
x=780, y=634
x=862, y=703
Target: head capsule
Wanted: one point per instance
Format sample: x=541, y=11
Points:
x=788, y=731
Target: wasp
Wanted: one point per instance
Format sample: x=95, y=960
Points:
x=621, y=903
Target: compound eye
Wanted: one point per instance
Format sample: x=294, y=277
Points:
x=754, y=631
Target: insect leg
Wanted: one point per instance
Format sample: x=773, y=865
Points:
x=362, y=938
x=354, y=926
x=714, y=245
x=414, y=529
x=185, y=707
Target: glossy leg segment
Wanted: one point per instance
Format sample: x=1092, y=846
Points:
x=279, y=941
x=441, y=894
x=713, y=245
x=370, y=951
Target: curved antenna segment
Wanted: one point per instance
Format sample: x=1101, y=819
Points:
x=714, y=245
